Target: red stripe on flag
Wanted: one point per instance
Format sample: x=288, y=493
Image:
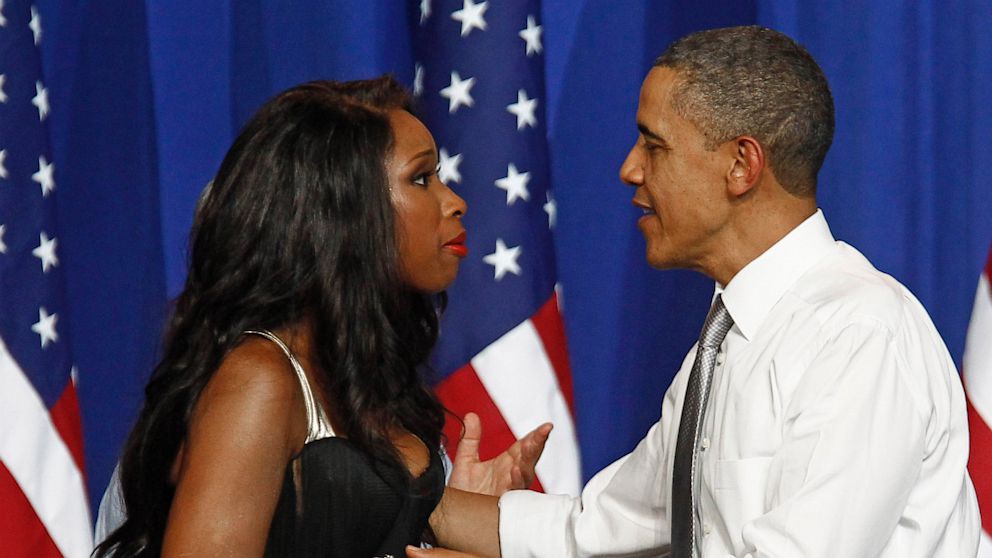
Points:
x=980, y=464
x=462, y=392
x=22, y=533
x=988, y=269
x=65, y=416
x=549, y=326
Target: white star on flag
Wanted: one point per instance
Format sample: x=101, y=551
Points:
x=41, y=432
x=425, y=10
x=35, y=24
x=3, y=19
x=515, y=184
x=45, y=176
x=448, y=167
x=45, y=327
x=40, y=100
x=524, y=110
x=552, y=210
x=503, y=260
x=532, y=35
x=471, y=16
x=418, y=80
x=522, y=334
x=458, y=93
x=46, y=252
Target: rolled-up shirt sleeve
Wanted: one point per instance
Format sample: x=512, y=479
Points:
x=620, y=512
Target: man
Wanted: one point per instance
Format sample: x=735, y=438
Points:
x=820, y=414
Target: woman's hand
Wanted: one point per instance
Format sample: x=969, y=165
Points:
x=512, y=469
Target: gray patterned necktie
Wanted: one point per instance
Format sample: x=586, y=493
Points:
x=685, y=482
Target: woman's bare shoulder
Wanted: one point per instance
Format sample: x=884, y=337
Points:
x=247, y=424
x=255, y=387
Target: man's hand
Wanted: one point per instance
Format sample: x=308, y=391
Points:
x=414, y=552
x=510, y=470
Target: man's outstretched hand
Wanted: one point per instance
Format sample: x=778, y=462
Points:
x=512, y=469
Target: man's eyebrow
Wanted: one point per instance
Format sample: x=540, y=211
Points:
x=647, y=132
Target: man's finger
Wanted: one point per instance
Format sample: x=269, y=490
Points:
x=532, y=446
x=468, y=446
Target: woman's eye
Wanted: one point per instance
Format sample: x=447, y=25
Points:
x=423, y=179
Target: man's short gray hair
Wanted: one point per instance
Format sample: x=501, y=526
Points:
x=754, y=81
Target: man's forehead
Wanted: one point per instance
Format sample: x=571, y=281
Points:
x=655, y=98
x=657, y=85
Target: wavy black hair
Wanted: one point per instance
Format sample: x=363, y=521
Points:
x=297, y=227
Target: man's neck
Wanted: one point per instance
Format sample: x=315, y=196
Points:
x=755, y=229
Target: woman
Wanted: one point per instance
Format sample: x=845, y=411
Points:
x=288, y=417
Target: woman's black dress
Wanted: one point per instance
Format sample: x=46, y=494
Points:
x=348, y=506
x=337, y=501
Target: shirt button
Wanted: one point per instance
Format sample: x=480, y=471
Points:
x=707, y=529
x=704, y=444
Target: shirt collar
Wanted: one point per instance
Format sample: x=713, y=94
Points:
x=756, y=288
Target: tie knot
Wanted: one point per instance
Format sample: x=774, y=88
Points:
x=718, y=323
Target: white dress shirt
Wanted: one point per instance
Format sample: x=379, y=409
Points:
x=836, y=427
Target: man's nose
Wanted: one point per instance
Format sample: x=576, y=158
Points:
x=632, y=171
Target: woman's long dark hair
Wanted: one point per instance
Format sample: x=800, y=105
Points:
x=297, y=227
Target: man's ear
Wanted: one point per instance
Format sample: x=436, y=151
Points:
x=749, y=162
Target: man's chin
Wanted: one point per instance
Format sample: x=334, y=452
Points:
x=660, y=260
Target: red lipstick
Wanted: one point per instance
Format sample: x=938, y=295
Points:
x=457, y=245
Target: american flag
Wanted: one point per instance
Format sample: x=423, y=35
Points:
x=977, y=364
x=43, y=505
x=479, y=79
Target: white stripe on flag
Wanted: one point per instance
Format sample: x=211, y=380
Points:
x=984, y=546
x=977, y=361
x=516, y=372
x=40, y=462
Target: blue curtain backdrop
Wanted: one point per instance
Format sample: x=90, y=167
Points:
x=146, y=97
